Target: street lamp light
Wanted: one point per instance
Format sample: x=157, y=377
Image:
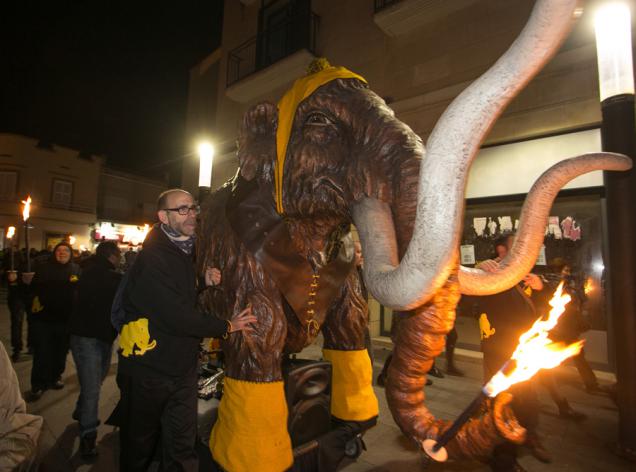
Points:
x=206, y=157
x=612, y=24
x=616, y=82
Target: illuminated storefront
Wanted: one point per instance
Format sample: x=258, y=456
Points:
x=125, y=235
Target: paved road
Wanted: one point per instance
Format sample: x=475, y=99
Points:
x=575, y=446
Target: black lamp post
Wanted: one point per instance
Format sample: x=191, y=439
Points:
x=616, y=82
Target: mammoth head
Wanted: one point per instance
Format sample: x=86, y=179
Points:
x=344, y=144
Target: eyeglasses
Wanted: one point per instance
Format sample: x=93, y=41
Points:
x=184, y=209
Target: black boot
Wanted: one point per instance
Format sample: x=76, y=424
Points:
x=88, y=449
x=435, y=372
x=566, y=411
x=381, y=380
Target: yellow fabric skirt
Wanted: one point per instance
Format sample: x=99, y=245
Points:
x=250, y=433
x=352, y=396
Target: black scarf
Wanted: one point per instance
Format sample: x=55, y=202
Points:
x=186, y=245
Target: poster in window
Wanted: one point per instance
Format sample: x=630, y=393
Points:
x=467, y=252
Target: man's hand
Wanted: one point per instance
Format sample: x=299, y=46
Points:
x=242, y=321
x=533, y=281
x=212, y=276
x=489, y=265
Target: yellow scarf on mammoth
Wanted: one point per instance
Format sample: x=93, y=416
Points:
x=287, y=106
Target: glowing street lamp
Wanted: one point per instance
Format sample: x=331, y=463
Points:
x=206, y=158
x=613, y=27
x=616, y=82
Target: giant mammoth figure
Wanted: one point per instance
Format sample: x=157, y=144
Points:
x=333, y=153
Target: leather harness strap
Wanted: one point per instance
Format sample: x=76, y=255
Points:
x=309, y=291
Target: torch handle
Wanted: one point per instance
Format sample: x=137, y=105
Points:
x=451, y=432
x=26, y=245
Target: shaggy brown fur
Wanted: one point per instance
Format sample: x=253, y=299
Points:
x=345, y=144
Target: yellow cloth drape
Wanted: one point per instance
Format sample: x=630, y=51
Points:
x=301, y=89
x=352, y=396
x=250, y=433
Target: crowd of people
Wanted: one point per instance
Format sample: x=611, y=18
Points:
x=83, y=302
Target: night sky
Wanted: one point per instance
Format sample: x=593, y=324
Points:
x=105, y=77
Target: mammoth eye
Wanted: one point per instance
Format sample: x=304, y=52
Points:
x=318, y=118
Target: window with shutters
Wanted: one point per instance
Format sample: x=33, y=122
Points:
x=62, y=193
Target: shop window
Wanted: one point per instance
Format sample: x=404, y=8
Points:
x=574, y=234
x=62, y=193
x=8, y=185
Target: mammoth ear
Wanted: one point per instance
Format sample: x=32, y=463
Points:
x=257, y=141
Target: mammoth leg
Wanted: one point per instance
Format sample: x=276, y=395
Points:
x=251, y=429
x=352, y=396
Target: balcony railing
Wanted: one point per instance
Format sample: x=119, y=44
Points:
x=379, y=5
x=272, y=45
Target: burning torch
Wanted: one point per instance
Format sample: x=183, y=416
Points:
x=535, y=351
x=26, y=210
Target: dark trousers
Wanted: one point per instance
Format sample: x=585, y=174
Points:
x=154, y=409
x=50, y=347
x=525, y=406
x=92, y=359
x=16, y=309
x=585, y=371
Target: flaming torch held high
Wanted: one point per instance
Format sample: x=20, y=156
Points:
x=534, y=352
x=26, y=211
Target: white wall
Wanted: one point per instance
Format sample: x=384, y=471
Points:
x=512, y=168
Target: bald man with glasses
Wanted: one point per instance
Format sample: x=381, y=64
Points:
x=159, y=341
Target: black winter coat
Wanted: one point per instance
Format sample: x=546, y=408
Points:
x=53, y=291
x=95, y=292
x=163, y=326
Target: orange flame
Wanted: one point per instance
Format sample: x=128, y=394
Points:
x=10, y=232
x=535, y=350
x=589, y=286
x=26, y=210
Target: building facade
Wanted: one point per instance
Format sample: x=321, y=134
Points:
x=419, y=55
x=61, y=182
x=73, y=196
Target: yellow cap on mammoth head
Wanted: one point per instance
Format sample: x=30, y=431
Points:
x=319, y=73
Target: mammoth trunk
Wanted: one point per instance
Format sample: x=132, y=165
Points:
x=419, y=339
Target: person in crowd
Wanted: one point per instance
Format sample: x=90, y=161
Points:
x=53, y=291
x=359, y=260
x=19, y=430
x=16, y=296
x=504, y=317
x=159, y=341
x=92, y=337
x=572, y=324
x=451, y=342
x=129, y=256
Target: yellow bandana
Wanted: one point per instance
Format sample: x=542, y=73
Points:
x=301, y=89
